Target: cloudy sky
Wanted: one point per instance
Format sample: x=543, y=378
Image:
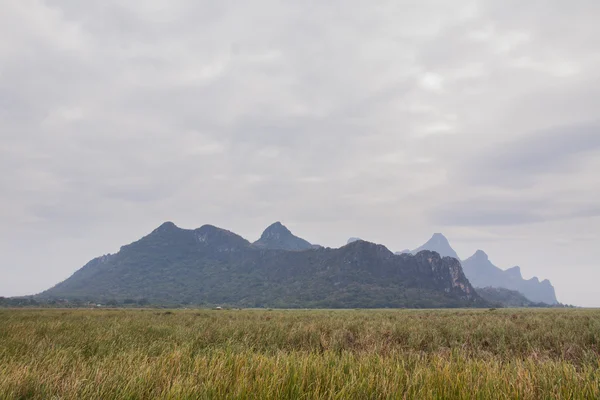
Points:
x=387, y=120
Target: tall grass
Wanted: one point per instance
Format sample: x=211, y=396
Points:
x=259, y=354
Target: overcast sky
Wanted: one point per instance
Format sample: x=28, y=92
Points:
x=387, y=120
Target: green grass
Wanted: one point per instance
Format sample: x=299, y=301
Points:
x=260, y=354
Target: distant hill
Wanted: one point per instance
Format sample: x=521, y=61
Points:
x=278, y=237
x=481, y=273
x=506, y=297
x=440, y=245
x=212, y=266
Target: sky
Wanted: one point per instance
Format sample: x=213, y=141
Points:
x=386, y=120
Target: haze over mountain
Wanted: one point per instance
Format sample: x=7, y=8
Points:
x=482, y=273
x=210, y=265
x=439, y=244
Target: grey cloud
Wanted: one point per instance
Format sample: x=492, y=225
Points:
x=550, y=151
x=476, y=215
x=336, y=117
x=497, y=211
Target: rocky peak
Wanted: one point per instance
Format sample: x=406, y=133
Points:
x=165, y=228
x=213, y=236
x=439, y=237
x=481, y=255
x=363, y=251
x=353, y=239
x=279, y=237
x=440, y=245
x=167, y=225
x=166, y=233
x=514, y=272
x=276, y=231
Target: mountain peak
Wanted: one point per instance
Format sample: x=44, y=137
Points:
x=481, y=255
x=440, y=245
x=166, y=226
x=165, y=230
x=276, y=229
x=278, y=237
x=353, y=239
x=213, y=235
x=439, y=239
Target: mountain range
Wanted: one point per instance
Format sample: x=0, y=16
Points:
x=213, y=266
x=482, y=273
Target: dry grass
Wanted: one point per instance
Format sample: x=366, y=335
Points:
x=259, y=354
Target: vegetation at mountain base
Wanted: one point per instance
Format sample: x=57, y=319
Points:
x=502, y=297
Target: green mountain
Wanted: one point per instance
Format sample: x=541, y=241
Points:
x=212, y=266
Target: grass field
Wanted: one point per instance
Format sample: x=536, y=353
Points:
x=261, y=354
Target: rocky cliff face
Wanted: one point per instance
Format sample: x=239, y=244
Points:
x=448, y=272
